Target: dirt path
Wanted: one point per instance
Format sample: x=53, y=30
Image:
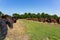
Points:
x=17, y=33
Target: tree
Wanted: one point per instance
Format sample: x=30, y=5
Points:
x=47, y=16
x=54, y=16
x=22, y=16
x=16, y=15
x=25, y=15
x=29, y=15
x=1, y=13
x=43, y=15
x=33, y=15
x=38, y=15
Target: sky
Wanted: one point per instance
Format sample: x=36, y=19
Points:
x=33, y=6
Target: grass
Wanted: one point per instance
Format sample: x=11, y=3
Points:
x=42, y=31
x=17, y=33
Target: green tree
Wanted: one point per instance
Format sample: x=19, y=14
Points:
x=33, y=15
x=38, y=15
x=43, y=15
x=29, y=15
x=47, y=16
x=16, y=15
x=25, y=15
x=54, y=16
x=1, y=13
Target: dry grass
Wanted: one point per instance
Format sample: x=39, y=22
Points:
x=17, y=33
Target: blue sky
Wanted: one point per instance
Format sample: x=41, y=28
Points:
x=34, y=6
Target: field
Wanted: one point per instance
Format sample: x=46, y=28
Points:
x=18, y=32
x=42, y=31
x=32, y=30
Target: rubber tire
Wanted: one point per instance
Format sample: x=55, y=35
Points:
x=3, y=30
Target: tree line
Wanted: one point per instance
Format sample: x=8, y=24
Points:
x=32, y=15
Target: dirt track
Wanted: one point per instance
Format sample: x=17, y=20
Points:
x=17, y=33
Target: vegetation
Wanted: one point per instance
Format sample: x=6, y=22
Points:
x=32, y=15
x=38, y=30
x=42, y=31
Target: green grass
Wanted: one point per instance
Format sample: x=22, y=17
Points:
x=42, y=31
